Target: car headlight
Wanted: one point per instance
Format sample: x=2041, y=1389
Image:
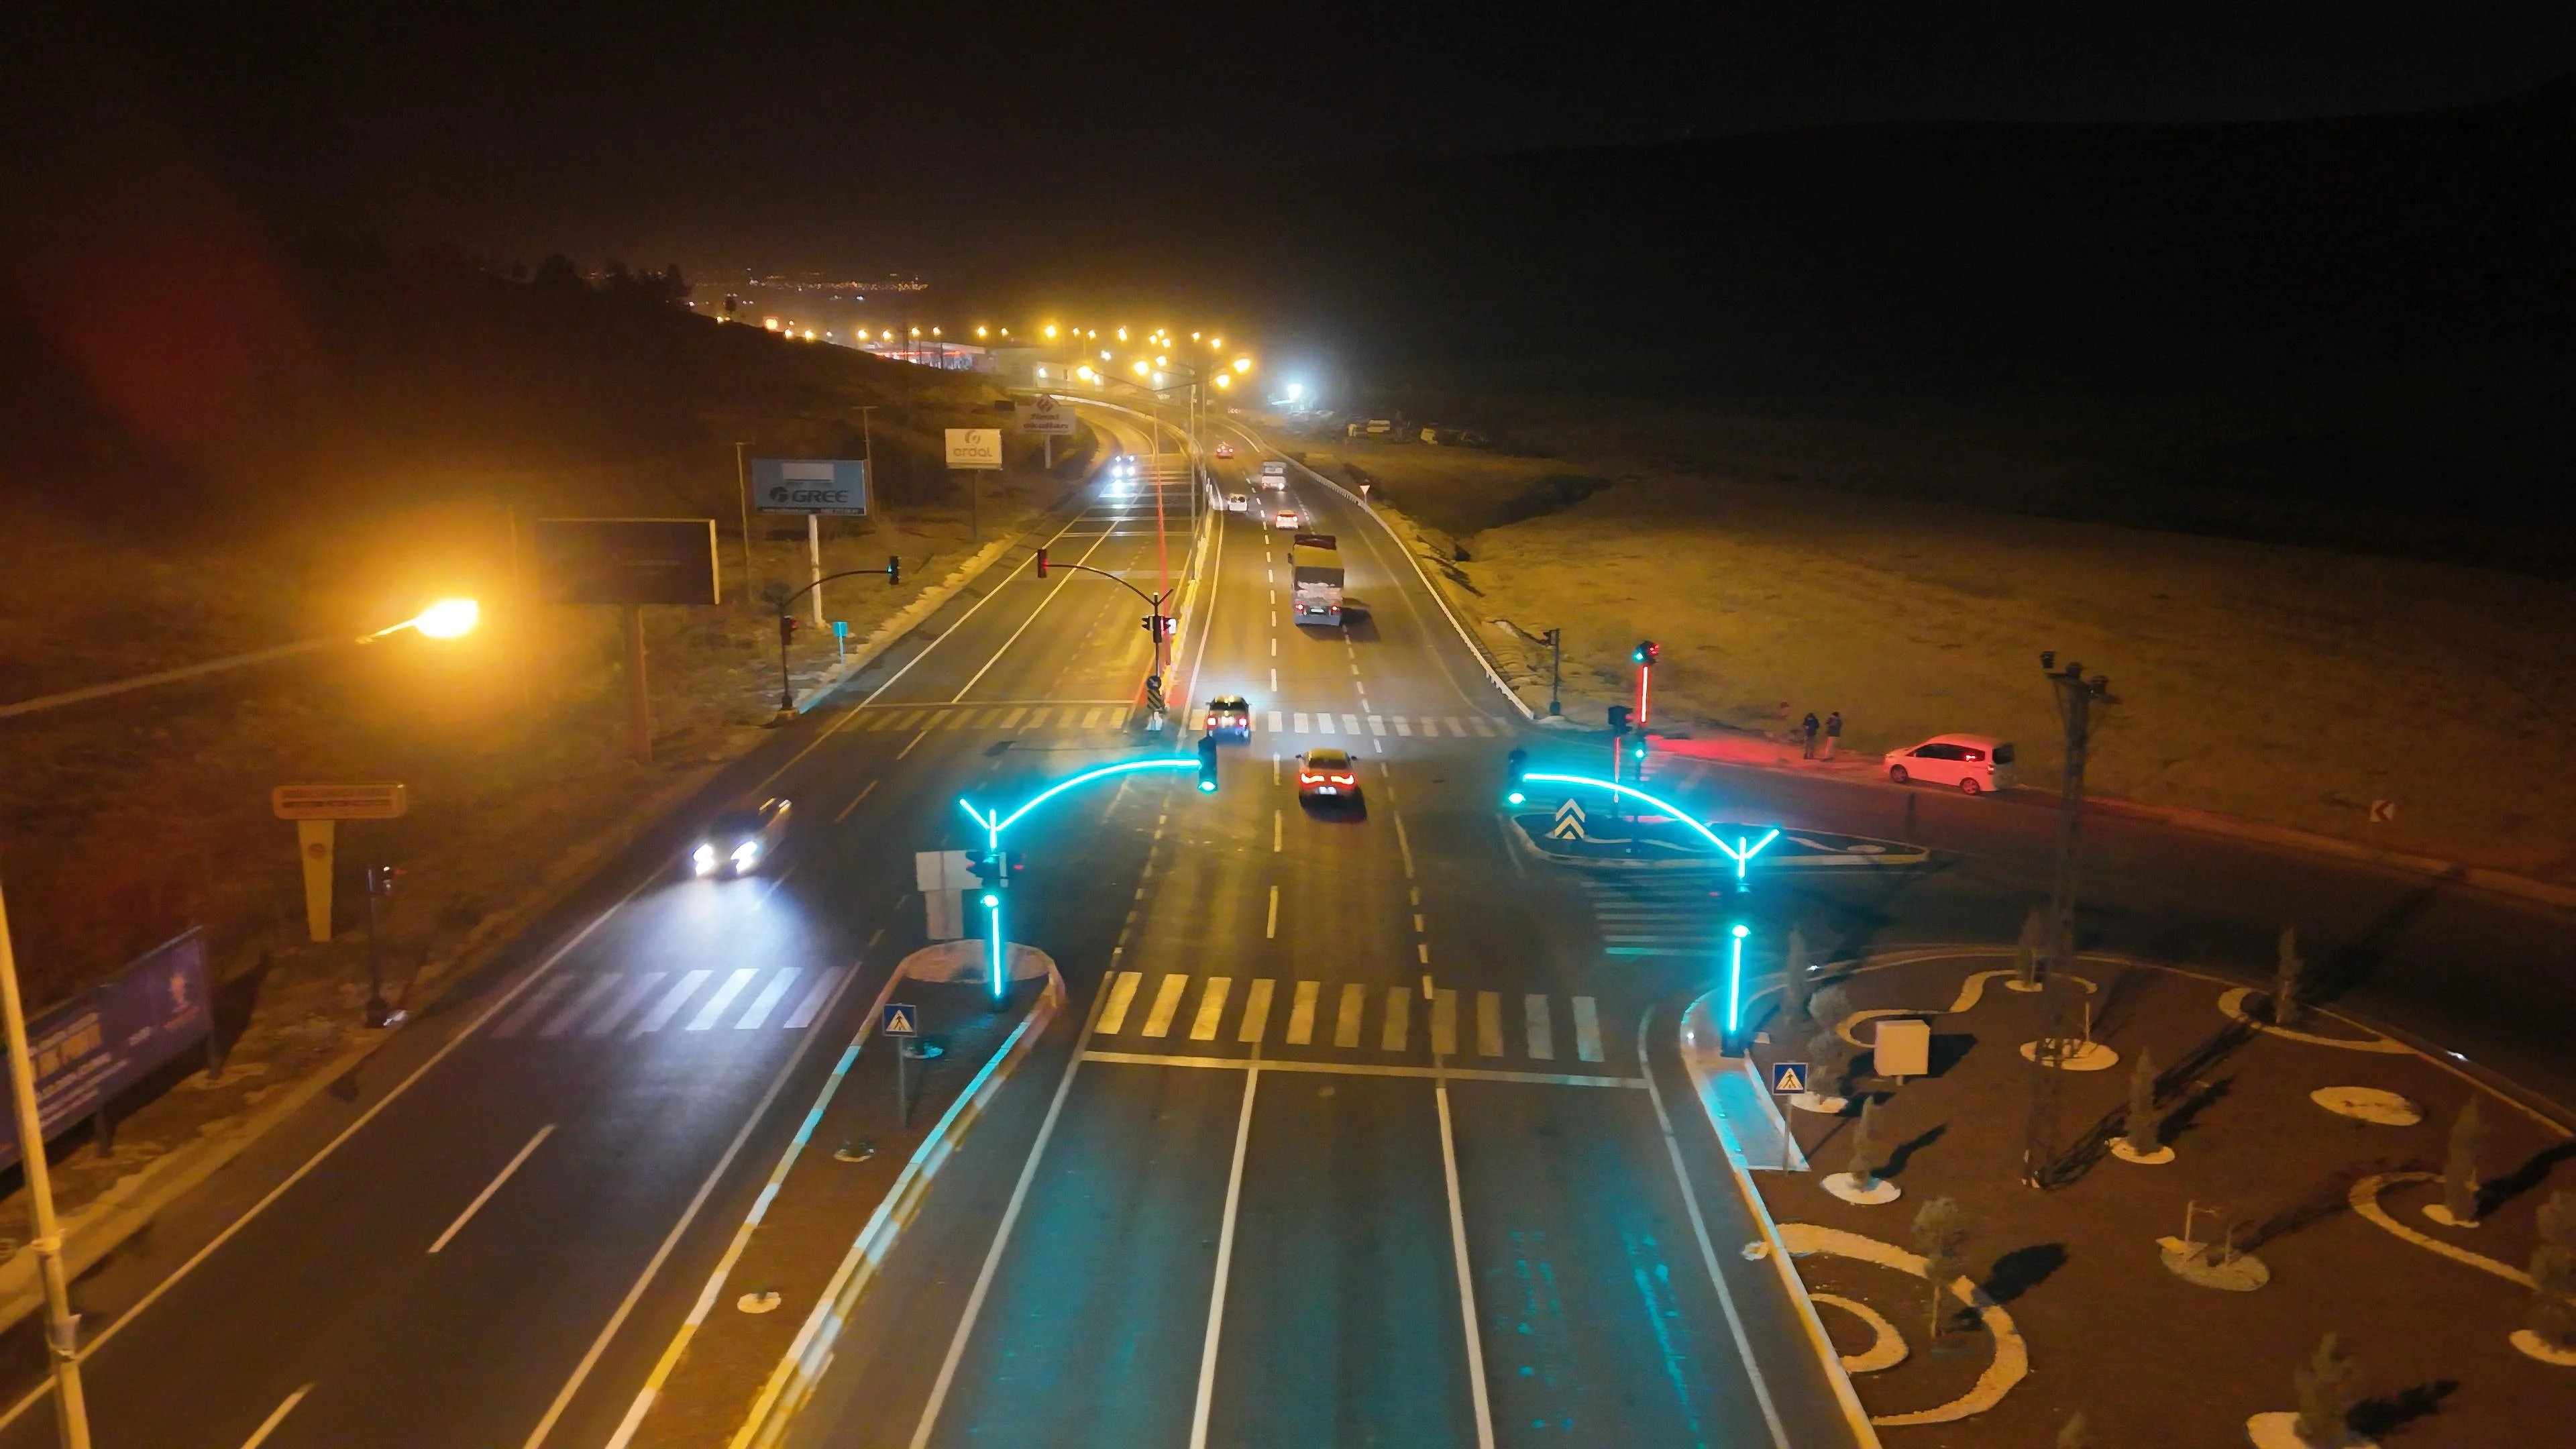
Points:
x=745, y=853
x=703, y=858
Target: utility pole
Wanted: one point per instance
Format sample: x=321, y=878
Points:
x=62, y=1326
x=1555, y=672
x=2075, y=699
x=742, y=491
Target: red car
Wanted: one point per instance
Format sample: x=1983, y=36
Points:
x=1329, y=774
x=1225, y=450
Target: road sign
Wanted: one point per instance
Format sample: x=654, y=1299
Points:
x=1048, y=417
x=381, y=800
x=900, y=1019
x=835, y=486
x=941, y=870
x=627, y=560
x=1788, y=1077
x=1569, y=822
x=974, y=447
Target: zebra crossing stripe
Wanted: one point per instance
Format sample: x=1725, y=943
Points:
x=672, y=1000
x=705, y=1020
x=1489, y=1023
x=1377, y=725
x=1399, y=1018
x=1454, y=727
x=580, y=1005
x=1090, y=719
x=1122, y=994
x=615, y=1012
x=1167, y=999
x=1211, y=1007
x=1256, y=1010
x=1444, y=1023
x=1301, y=1014
x=767, y=1001
x=1346, y=1021
x=1011, y=721
x=1542, y=1030
x=1481, y=725
x=1301, y=722
x=1323, y=724
x=1038, y=719
x=1351, y=724
x=955, y=719
x=812, y=1006
x=536, y=1003
x=1587, y=1030
x=1403, y=727
x=1274, y=722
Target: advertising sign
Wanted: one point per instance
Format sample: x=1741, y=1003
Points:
x=627, y=560
x=94, y=1046
x=1048, y=417
x=836, y=486
x=974, y=447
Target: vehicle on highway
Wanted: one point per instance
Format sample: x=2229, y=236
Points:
x=1237, y=503
x=1274, y=474
x=1327, y=775
x=1225, y=450
x=1973, y=763
x=737, y=841
x=1285, y=518
x=1315, y=572
x=1229, y=717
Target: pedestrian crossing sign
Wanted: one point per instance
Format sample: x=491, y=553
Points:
x=900, y=1020
x=1788, y=1077
x=1569, y=822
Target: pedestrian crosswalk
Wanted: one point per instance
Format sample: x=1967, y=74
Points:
x=640, y=1003
x=1657, y=914
x=1174, y=1007
x=1100, y=716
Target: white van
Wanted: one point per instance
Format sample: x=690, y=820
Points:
x=1973, y=763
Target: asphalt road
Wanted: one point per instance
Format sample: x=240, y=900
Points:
x=1404, y=1177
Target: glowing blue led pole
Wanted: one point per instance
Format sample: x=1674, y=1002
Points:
x=1740, y=852
x=1735, y=988
x=995, y=822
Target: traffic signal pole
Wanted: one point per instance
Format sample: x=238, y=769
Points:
x=2075, y=698
x=62, y=1326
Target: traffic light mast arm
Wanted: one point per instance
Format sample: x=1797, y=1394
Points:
x=888, y=571
x=893, y=572
x=1152, y=601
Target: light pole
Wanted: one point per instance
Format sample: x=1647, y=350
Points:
x=2075, y=699
x=446, y=619
x=995, y=822
x=62, y=1326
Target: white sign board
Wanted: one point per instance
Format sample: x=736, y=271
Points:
x=1903, y=1047
x=1049, y=417
x=836, y=486
x=974, y=447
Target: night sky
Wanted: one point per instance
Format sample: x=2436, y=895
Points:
x=849, y=137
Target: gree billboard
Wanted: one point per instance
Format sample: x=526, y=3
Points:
x=837, y=486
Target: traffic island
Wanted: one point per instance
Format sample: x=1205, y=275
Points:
x=894, y=1109
x=2296, y=1173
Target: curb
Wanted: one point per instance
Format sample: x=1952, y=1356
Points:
x=1855, y=1417
x=1521, y=841
x=806, y=1360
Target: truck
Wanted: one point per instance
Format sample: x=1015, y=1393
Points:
x=1315, y=568
x=1274, y=474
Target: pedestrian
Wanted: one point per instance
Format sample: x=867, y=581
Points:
x=1833, y=732
x=1809, y=727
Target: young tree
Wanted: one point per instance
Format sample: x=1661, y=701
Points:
x=2286, y=971
x=2026, y=950
x=1940, y=1229
x=2076, y=1434
x=1795, y=991
x=1864, y=1147
x=2460, y=1164
x=2145, y=1125
x=1829, y=1057
x=2553, y=1274
x=2328, y=1386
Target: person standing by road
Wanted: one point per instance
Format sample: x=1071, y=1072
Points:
x=1833, y=732
x=1809, y=727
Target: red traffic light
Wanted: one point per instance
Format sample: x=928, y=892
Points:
x=1042, y=562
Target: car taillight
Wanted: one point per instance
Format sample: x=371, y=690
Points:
x=1305, y=779
x=1341, y=779
x=1211, y=724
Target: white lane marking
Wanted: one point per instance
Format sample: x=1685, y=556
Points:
x=1542, y=1028
x=1399, y=1019
x=1024, y=626
x=1122, y=993
x=1276, y=826
x=615, y=1011
x=1224, y=1263
x=1012, y=720
x=956, y=719
x=907, y=749
x=1211, y=1011
x=671, y=1002
x=1587, y=1030
x=854, y=802
x=1377, y=725
x=275, y=1417
x=1167, y=999
x=1276, y=722
x=1346, y=1021
x=1274, y=648
x=533, y=1007
x=1274, y=763
x=580, y=1005
x=1369, y=1069
x=1489, y=1023
x=490, y=1188
x=1444, y=1023
x=1274, y=680
x=806, y=1010
x=1405, y=844
x=1707, y=1250
x=1091, y=719
x=1466, y=1283
x=1256, y=1010
x=1323, y=723
x=1454, y=727
x=767, y=1001
x=1301, y=1013
x=1403, y=726
x=1350, y=724
x=1271, y=931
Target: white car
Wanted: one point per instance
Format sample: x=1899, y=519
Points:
x=1237, y=503
x=1285, y=518
x=1972, y=763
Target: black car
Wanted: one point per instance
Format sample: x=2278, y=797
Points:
x=736, y=842
x=1230, y=718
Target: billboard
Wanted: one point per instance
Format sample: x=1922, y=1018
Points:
x=837, y=486
x=974, y=447
x=120, y=1031
x=626, y=560
x=1049, y=417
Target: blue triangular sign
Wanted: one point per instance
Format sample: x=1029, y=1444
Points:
x=1788, y=1076
x=901, y=1020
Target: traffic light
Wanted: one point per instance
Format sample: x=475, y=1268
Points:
x=1646, y=652
x=1158, y=625
x=894, y=570
x=1041, y=563
x=994, y=868
x=1207, y=764
x=1637, y=751
x=1619, y=721
x=786, y=630
x=1515, y=774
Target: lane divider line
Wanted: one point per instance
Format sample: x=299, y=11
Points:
x=1224, y=1259
x=275, y=1417
x=490, y=1188
x=1466, y=1272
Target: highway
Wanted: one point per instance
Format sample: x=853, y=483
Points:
x=1360, y=1129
